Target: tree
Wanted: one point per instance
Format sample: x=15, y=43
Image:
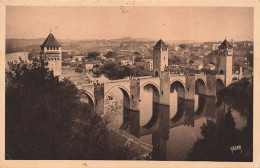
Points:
x=138, y=59
x=183, y=46
x=113, y=71
x=250, y=58
x=236, y=67
x=110, y=54
x=217, y=138
x=46, y=120
x=93, y=55
x=175, y=60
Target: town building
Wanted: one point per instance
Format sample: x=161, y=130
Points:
x=96, y=68
x=79, y=57
x=176, y=48
x=89, y=66
x=205, y=46
x=110, y=60
x=209, y=67
x=51, y=53
x=197, y=66
x=215, y=46
x=126, y=62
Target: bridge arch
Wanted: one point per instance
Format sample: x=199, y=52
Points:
x=220, y=79
x=89, y=96
x=146, y=112
x=234, y=79
x=201, y=78
x=178, y=80
x=179, y=86
x=200, y=86
x=116, y=113
x=122, y=88
x=149, y=83
x=219, y=84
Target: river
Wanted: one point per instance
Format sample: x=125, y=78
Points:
x=174, y=138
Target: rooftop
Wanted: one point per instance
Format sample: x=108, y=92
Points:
x=51, y=42
x=225, y=44
x=160, y=44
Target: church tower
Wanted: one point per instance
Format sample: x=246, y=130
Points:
x=51, y=53
x=225, y=56
x=160, y=58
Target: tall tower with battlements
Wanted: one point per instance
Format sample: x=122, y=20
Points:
x=224, y=64
x=51, y=52
x=160, y=58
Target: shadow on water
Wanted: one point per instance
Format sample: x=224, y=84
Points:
x=202, y=101
x=180, y=110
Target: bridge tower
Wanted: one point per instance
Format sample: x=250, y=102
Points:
x=224, y=64
x=160, y=58
x=51, y=52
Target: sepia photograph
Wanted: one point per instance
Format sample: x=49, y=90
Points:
x=129, y=83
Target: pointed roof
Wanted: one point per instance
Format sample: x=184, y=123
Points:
x=225, y=44
x=51, y=41
x=160, y=44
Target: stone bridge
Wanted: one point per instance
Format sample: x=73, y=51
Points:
x=186, y=87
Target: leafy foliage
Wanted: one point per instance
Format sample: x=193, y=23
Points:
x=183, y=46
x=138, y=59
x=111, y=54
x=46, y=120
x=93, y=55
x=113, y=71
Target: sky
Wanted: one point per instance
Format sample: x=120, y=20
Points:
x=168, y=23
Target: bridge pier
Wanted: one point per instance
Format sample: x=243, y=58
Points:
x=134, y=110
x=211, y=85
x=99, y=98
x=164, y=95
x=190, y=88
x=164, y=100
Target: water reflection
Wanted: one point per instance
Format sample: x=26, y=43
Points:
x=183, y=136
